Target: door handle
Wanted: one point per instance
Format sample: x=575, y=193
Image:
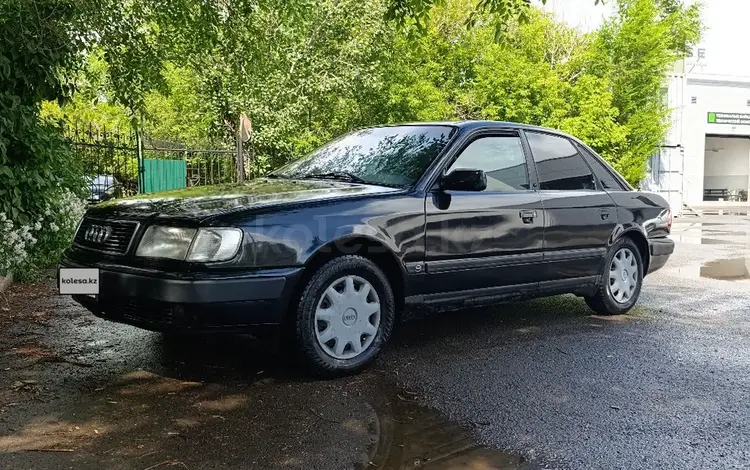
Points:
x=527, y=216
x=604, y=214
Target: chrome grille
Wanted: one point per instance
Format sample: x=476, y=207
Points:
x=108, y=236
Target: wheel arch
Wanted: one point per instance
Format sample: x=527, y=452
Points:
x=641, y=242
x=354, y=244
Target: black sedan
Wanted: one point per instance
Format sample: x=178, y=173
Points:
x=337, y=244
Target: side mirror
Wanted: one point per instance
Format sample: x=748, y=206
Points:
x=464, y=180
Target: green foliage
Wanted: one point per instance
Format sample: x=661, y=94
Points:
x=502, y=12
x=605, y=87
x=311, y=71
x=633, y=51
x=38, y=53
x=39, y=47
x=307, y=71
x=539, y=74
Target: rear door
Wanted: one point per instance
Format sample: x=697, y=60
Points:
x=480, y=242
x=579, y=216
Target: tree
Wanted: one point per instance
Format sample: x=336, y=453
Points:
x=307, y=73
x=38, y=58
x=633, y=51
x=503, y=12
x=39, y=45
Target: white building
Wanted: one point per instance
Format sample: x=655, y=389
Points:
x=705, y=160
x=700, y=160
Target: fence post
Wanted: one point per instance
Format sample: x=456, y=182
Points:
x=141, y=169
x=240, y=159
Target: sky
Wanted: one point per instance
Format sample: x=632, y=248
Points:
x=726, y=23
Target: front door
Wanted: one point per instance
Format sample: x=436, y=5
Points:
x=480, y=242
x=579, y=217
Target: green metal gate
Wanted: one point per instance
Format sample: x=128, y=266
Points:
x=163, y=175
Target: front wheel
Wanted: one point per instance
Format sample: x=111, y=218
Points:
x=345, y=316
x=621, y=280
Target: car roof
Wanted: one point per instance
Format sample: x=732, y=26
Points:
x=471, y=125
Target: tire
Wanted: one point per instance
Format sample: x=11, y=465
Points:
x=610, y=297
x=345, y=314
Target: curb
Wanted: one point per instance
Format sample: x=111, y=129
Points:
x=5, y=282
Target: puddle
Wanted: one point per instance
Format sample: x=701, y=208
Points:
x=727, y=269
x=411, y=436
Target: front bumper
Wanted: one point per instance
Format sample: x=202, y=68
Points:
x=660, y=249
x=202, y=302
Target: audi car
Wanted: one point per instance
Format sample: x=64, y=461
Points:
x=333, y=247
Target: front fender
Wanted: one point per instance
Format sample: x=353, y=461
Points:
x=293, y=237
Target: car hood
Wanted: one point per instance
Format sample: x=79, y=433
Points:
x=206, y=201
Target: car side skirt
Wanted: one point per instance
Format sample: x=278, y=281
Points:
x=585, y=285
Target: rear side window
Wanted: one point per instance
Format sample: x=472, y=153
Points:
x=607, y=179
x=559, y=163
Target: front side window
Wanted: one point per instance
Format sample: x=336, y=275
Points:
x=388, y=156
x=502, y=160
x=559, y=164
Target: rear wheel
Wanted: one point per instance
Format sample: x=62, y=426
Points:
x=621, y=280
x=345, y=316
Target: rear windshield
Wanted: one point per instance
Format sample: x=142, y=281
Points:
x=388, y=156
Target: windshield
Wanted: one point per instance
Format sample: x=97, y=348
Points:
x=388, y=156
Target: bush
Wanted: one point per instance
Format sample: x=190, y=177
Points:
x=27, y=249
x=41, y=190
x=40, y=180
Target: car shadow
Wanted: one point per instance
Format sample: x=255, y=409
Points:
x=504, y=318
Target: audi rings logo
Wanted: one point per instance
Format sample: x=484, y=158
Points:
x=97, y=234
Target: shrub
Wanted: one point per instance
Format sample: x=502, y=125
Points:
x=27, y=249
x=41, y=44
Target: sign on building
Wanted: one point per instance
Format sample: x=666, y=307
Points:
x=742, y=119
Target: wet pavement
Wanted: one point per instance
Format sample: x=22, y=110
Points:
x=539, y=384
x=77, y=392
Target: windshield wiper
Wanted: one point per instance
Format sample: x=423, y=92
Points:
x=337, y=175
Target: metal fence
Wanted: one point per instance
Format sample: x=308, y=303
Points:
x=112, y=159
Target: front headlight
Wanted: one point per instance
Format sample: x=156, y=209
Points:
x=202, y=245
x=166, y=242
